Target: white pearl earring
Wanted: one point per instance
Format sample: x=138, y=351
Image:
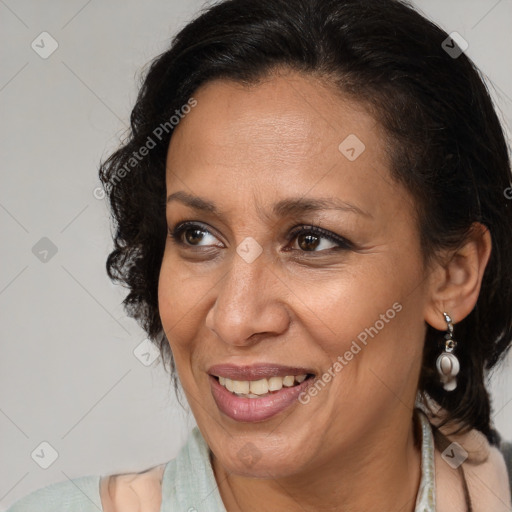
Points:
x=447, y=363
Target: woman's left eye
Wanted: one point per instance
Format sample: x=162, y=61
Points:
x=309, y=238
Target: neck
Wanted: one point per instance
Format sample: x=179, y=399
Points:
x=378, y=474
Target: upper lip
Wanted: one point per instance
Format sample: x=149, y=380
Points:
x=256, y=371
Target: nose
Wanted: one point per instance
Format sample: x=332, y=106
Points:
x=250, y=303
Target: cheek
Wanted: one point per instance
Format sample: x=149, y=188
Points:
x=178, y=304
x=358, y=299
x=371, y=316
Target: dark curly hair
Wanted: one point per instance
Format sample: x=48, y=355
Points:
x=445, y=143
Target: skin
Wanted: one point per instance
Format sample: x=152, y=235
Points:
x=299, y=304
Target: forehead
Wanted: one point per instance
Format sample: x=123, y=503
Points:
x=289, y=133
x=285, y=112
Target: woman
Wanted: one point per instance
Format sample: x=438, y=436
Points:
x=312, y=221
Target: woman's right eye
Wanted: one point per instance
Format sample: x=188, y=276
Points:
x=190, y=235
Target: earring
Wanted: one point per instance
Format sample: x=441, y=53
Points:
x=447, y=363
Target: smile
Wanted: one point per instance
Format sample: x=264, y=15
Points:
x=257, y=400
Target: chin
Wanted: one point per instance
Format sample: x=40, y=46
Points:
x=270, y=465
x=261, y=455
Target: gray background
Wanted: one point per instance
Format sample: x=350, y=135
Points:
x=68, y=372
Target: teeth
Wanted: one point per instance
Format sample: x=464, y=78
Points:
x=257, y=388
x=288, y=381
x=241, y=386
x=229, y=385
x=275, y=383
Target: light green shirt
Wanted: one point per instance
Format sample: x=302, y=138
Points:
x=189, y=485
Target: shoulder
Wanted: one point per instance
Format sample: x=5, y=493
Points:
x=484, y=469
x=80, y=495
x=127, y=492
x=133, y=492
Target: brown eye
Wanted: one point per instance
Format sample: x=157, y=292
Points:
x=191, y=235
x=315, y=239
x=308, y=242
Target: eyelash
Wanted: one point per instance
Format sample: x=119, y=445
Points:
x=342, y=243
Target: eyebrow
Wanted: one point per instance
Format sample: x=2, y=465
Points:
x=292, y=206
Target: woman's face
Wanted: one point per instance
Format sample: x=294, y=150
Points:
x=242, y=296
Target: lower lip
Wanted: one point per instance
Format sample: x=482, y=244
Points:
x=255, y=409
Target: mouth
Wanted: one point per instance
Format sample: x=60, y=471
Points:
x=257, y=393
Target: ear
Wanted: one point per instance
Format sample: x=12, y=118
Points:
x=456, y=278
